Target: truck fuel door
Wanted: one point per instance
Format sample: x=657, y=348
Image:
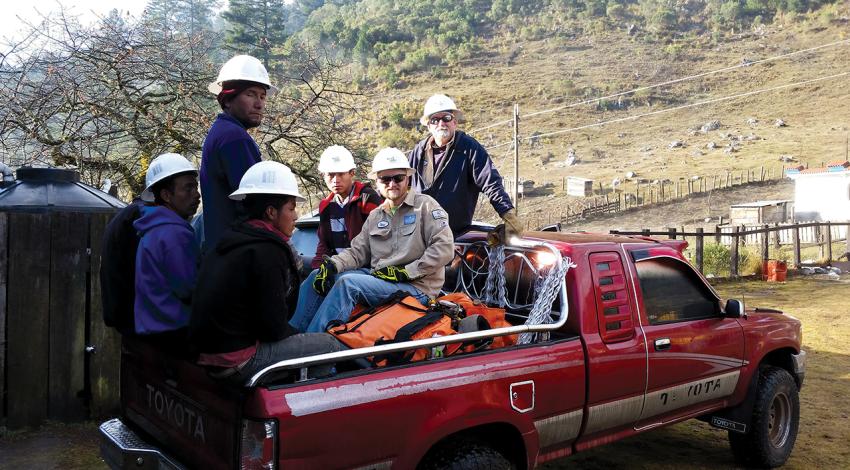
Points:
x=522, y=396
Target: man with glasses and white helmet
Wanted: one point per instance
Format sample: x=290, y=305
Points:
x=241, y=90
x=248, y=284
x=404, y=245
x=343, y=211
x=167, y=256
x=454, y=168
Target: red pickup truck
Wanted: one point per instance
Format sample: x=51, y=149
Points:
x=618, y=335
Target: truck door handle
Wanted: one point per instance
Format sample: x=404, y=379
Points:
x=662, y=344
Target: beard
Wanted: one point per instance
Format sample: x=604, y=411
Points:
x=443, y=135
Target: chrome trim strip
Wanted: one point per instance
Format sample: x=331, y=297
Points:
x=429, y=342
x=559, y=428
x=318, y=400
x=613, y=414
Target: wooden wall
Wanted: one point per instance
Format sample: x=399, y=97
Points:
x=50, y=305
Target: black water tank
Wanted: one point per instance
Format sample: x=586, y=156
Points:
x=54, y=189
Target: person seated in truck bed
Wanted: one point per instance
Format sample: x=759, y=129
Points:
x=167, y=255
x=248, y=285
x=404, y=245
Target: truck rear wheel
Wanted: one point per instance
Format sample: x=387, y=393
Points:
x=465, y=455
x=775, y=421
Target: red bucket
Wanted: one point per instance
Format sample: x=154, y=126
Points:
x=774, y=270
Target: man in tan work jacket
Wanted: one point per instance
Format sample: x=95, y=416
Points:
x=404, y=245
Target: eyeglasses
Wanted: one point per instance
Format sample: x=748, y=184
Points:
x=397, y=178
x=444, y=118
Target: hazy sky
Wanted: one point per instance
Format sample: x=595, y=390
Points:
x=14, y=11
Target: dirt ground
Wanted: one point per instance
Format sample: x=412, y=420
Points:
x=822, y=442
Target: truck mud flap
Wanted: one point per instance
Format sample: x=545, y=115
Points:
x=122, y=448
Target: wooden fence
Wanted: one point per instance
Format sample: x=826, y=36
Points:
x=629, y=195
x=820, y=234
x=58, y=361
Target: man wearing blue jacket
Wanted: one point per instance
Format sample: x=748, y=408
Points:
x=454, y=169
x=241, y=89
x=167, y=257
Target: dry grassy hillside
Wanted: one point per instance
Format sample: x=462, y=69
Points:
x=559, y=71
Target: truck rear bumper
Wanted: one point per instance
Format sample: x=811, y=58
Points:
x=122, y=448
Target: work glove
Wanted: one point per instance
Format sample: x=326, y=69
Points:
x=496, y=236
x=392, y=274
x=513, y=227
x=325, y=278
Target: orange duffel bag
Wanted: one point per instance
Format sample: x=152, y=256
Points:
x=400, y=318
x=495, y=316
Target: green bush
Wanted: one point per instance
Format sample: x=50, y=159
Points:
x=399, y=138
x=715, y=259
x=396, y=115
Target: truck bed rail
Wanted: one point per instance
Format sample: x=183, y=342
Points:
x=471, y=267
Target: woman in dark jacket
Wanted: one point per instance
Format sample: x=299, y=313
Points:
x=248, y=285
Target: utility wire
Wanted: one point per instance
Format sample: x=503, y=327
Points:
x=506, y=121
x=670, y=82
x=491, y=147
x=692, y=105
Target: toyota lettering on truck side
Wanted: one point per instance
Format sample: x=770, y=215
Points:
x=593, y=338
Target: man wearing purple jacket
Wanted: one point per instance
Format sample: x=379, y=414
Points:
x=241, y=89
x=167, y=256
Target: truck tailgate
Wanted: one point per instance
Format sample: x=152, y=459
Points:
x=194, y=418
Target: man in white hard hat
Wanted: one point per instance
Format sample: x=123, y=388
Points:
x=167, y=256
x=343, y=211
x=454, y=168
x=248, y=284
x=405, y=245
x=241, y=89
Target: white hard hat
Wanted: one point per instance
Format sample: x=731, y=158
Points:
x=244, y=68
x=267, y=178
x=163, y=166
x=435, y=104
x=390, y=159
x=336, y=159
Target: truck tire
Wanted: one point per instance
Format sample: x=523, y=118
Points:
x=465, y=455
x=775, y=421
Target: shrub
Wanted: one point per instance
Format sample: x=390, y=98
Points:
x=715, y=259
x=399, y=138
x=396, y=115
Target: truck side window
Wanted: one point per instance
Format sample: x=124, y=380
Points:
x=672, y=292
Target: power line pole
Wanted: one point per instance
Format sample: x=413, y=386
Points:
x=516, y=157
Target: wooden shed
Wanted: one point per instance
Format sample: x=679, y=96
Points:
x=759, y=212
x=59, y=360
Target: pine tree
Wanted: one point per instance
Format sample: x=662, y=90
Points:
x=256, y=27
x=189, y=17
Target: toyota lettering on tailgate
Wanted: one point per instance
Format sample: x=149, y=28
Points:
x=176, y=413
